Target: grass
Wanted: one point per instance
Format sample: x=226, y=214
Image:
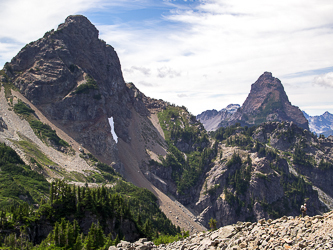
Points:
x=78, y=176
x=8, y=85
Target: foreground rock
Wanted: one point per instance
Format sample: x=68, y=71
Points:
x=284, y=233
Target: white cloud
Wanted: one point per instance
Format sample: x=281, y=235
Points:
x=28, y=20
x=147, y=84
x=167, y=72
x=182, y=95
x=143, y=70
x=325, y=80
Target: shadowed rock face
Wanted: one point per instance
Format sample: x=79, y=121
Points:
x=49, y=71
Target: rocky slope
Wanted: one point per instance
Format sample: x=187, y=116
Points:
x=283, y=233
x=267, y=101
x=321, y=124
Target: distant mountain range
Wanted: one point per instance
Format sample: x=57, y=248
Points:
x=211, y=119
x=321, y=124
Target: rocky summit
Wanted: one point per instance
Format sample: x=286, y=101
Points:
x=284, y=233
x=267, y=101
x=75, y=79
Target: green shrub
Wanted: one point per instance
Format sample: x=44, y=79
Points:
x=45, y=131
x=166, y=239
x=86, y=87
x=21, y=108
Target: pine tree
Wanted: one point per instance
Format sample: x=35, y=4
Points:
x=99, y=237
x=89, y=242
x=78, y=243
x=108, y=241
x=117, y=240
x=56, y=234
x=212, y=224
x=147, y=227
x=51, y=192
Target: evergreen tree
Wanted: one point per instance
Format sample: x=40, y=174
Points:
x=78, y=243
x=212, y=224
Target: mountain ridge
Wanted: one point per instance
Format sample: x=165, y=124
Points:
x=321, y=124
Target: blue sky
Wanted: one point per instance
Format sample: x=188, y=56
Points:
x=202, y=54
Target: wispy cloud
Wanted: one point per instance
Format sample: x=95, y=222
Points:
x=168, y=72
x=143, y=70
x=311, y=72
x=325, y=80
x=147, y=84
x=182, y=95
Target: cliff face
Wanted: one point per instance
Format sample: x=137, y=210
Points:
x=75, y=79
x=248, y=173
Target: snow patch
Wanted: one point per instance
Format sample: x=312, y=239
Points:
x=114, y=135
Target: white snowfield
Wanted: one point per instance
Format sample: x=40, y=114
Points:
x=114, y=135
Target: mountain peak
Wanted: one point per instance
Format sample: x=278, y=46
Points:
x=267, y=74
x=75, y=78
x=268, y=101
x=79, y=24
x=265, y=91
